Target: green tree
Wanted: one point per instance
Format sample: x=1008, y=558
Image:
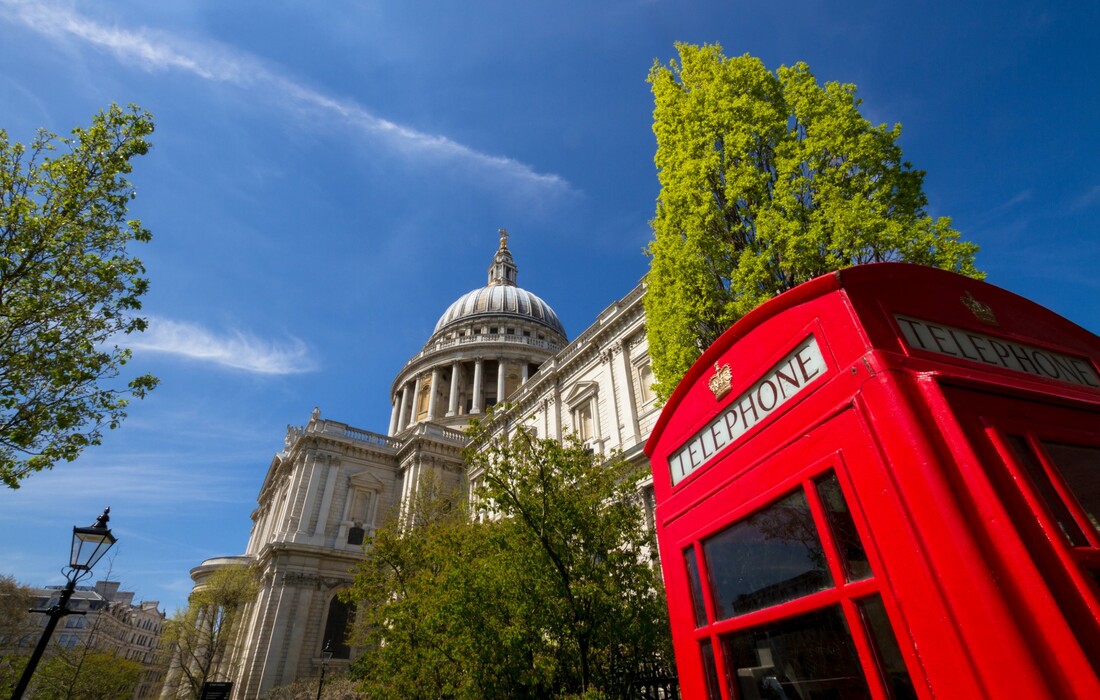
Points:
x=15, y=601
x=83, y=674
x=438, y=607
x=197, y=640
x=579, y=535
x=769, y=180
x=552, y=594
x=336, y=688
x=68, y=289
x=17, y=632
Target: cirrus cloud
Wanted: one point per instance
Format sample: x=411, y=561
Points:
x=235, y=349
x=157, y=50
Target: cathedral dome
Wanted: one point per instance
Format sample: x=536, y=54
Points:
x=501, y=300
x=486, y=345
x=501, y=297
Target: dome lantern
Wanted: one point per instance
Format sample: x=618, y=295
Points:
x=503, y=270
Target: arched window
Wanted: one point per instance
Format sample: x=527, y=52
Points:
x=340, y=615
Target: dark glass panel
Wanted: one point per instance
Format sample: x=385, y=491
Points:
x=1046, y=491
x=1094, y=574
x=710, y=671
x=696, y=587
x=888, y=653
x=771, y=557
x=856, y=565
x=1080, y=467
x=809, y=657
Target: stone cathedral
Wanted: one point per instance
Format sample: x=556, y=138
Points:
x=332, y=483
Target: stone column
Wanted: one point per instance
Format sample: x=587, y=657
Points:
x=501, y=379
x=310, y=594
x=331, y=476
x=315, y=469
x=432, y=398
x=627, y=372
x=523, y=373
x=257, y=638
x=555, y=411
x=452, y=402
x=403, y=421
x=415, y=401
x=608, y=358
x=477, y=386
x=394, y=415
x=279, y=505
x=284, y=601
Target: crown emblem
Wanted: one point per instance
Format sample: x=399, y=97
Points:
x=982, y=312
x=722, y=381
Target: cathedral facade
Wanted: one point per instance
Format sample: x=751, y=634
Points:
x=332, y=483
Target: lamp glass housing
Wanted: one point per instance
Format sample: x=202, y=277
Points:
x=89, y=546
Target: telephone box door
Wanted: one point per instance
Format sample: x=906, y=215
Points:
x=788, y=592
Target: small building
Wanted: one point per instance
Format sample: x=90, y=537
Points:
x=109, y=621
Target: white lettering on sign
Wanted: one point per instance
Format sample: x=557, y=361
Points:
x=997, y=352
x=784, y=381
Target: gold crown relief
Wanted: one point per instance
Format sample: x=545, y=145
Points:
x=982, y=312
x=722, y=381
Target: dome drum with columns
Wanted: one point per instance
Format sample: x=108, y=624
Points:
x=486, y=345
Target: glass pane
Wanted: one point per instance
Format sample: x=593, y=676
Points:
x=1046, y=491
x=1095, y=575
x=1080, y=467
x=810, y=657
x=856, y=565
x=770, y=557
x=890, y=661
x=710, y=671
x=696, y=587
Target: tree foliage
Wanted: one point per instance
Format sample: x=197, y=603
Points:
x=15, y=601
x=552, y=594
x=335, y=688
x=197, y=639
x=68, y=288
x=17, y=632
x=435, y=602
x=85, y=674
x=769, y=180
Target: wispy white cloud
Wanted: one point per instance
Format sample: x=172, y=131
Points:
x=1018, y=198
x=1088, y=199
x=235, y=349
x=998, y=212
x=155, y=50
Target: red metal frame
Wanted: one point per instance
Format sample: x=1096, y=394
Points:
x=916, y=380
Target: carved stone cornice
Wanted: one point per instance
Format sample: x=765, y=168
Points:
x=301, y=579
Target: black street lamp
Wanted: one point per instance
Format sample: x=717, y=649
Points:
x=326, y=656
x=89, y=546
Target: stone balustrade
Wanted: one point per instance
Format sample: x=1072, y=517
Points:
x=494, y=338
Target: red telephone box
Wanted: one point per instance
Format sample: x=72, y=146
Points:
x=885, y=483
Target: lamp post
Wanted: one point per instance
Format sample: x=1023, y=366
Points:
x=326, y=656
x=89, y=546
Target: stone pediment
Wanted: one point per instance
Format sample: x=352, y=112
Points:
x=366, y=481
x=580, y=392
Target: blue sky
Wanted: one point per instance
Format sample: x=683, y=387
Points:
x=327, y=177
